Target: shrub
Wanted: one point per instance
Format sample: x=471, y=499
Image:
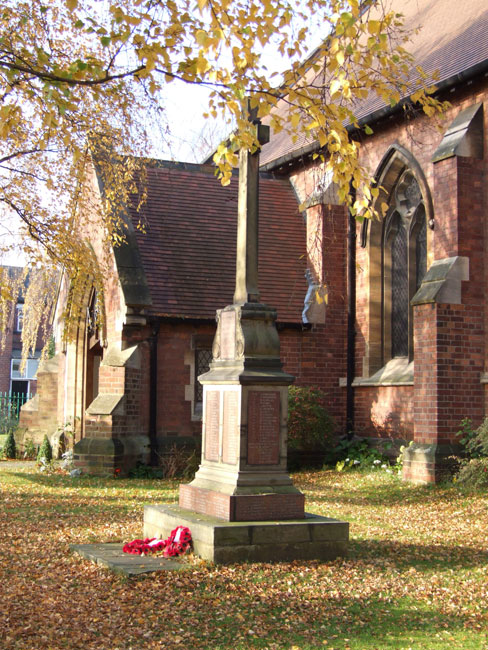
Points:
x=474, y=473
x=476, y=442
x=358, y=454
x=45, y=451
x=8, y=423
x=30, y=449
x=9, y=448
x=310, y=427
x=145, y=471
x=399, y=458
x=473, y=469
x=473, y=440
x=180, y=461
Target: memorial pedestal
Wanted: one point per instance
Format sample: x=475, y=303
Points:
x=226, y=542
x=243, y=475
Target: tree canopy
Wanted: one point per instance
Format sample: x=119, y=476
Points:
x=81, y=79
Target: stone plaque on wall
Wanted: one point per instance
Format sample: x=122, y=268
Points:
x=227, y=334
x=263, y=428
x=212, y=412
x=231, y=438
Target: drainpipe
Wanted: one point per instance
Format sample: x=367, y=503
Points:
x=153, y=392
x=351, y=318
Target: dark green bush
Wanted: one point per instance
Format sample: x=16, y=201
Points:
x=474, y=473
x=45, y=451
x=30, y=449
x=310, y=427
x=474, y=441
x=358, y=454
x=9, y=448
x=473, y=468
x=8, y=422
x=145, y=471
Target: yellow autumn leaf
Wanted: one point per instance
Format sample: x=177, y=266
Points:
x=374, y=26
x=295, y=120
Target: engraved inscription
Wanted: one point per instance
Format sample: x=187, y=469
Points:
x=227, y=334
x=263, y=428
x=230, y=433
x=212, y=425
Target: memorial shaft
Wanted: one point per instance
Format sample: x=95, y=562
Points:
x=247, y=229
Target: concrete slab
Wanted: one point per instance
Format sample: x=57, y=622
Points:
x=227, y=542
x=112, y=557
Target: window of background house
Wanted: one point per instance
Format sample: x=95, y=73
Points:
x=20, y=380
x=19, y=317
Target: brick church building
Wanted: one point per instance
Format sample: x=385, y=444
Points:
x=399, y=345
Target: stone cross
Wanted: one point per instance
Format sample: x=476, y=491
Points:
x=252, y=511
x=248, y=217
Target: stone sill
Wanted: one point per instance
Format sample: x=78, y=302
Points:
x=397, y=372
x=362, y=381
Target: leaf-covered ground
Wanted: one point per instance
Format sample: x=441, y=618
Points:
x=416, y=575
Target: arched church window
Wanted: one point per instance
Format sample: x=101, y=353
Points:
x=404, y=263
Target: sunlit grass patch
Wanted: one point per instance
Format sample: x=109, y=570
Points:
x=416, y=575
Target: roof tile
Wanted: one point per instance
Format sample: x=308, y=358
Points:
x=189, y=247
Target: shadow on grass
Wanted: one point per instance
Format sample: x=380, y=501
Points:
x=423, y=557
x=394, y=494
x=374, y=623
x=96, y=482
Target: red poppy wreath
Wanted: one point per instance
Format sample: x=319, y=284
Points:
x=177, y=543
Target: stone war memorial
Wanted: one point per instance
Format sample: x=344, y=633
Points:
x=242, y=504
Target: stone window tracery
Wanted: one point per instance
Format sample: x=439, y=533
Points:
x=404, y=263
x=399, y=250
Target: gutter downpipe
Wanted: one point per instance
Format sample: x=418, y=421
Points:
x=153, y=392
x=351, y=318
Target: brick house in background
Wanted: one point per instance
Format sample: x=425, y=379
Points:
x=12, y=379
x=400, y=349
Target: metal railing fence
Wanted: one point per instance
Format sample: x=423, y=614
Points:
x=10, y=404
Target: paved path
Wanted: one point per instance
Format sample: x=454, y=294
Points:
x=112, y=557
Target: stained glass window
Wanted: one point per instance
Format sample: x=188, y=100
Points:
x=405, y=241
x=399, y=294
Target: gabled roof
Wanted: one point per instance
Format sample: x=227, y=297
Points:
x=189, y=245
x=452, y=39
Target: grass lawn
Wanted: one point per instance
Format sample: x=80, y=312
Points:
x=416, y=575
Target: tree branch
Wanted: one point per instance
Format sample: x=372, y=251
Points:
x=48, y=76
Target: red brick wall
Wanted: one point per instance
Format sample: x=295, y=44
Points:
x=308, y=357
x=384, y=411
x=302, y=352
x=174, y=412
x=448, y=364
x=450, y=339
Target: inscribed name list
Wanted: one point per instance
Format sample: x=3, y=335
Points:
x=212, y=410
x=230, y=433
x=263, y=428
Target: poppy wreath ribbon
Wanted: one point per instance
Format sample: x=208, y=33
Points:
x=177, y=543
